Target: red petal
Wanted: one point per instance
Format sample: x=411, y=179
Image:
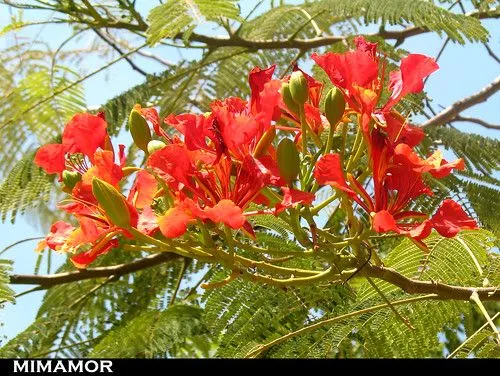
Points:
x=294, y=197
x=414, y=68
x=59, y=233
x=363, y=45
x=147, y=223
x=328, y=171
x=51, y=158
x=348, y=69
x=383, y=221
x=226, y=212
x=451, y=218
x=144, y=189
x=257, y=78
x=400, y=132
x=122, y=157
x=313, y=118
x=195, y=128
x=82, y=260
x=173, y=160
x=174, y=222
x=84, y=134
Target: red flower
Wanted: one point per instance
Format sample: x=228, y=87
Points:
x=220, y=190
x=84, y=134
x=450, y=218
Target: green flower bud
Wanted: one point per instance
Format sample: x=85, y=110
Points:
x=287, y=98
x=112, y=202
x=298, y=87
x=139, y=129
x=334, y=106
x=155, y=145
x=264, y=142
x=70, y=178
x=288, y=160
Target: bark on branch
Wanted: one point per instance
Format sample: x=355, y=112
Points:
x=452, y=112
x=46, y=281
x=442, y=290
x=411, y=286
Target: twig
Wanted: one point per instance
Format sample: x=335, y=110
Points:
x=453, y=111
x=120, y=51
x=477, y=121
x=471, y=336
x=260, y=348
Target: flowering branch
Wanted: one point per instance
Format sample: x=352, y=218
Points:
x=206, y=176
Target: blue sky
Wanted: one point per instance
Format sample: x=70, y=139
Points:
x=463, y=71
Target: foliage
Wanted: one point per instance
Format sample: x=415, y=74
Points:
x=162, y=311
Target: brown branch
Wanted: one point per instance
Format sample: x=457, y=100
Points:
x=46, y=281
x=442, y=290
x=481, y=122
x=453, y=111
x=237, y=41
x=491, y=53
x=307, y=44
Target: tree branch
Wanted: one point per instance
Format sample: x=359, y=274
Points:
x=307, y=44
x=46, y=281
x=442, y=290
x=410, y=286
x=453, y=111
x=481, y=122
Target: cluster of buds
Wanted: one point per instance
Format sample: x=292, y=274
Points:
x=267, y=155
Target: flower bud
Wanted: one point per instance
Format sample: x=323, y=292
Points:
x=155, y=145
x=70, y=178
x=112, y=202
x=298, y=87
x=264, y=142
x=139, y=129
x=287, y=98
x=334, y=106
x=288, y=160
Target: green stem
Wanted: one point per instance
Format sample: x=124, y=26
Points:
x=471, y=336
x=170, y=247
x=387, y=301
x=315, y=210
x=475, y=298
x=261, y=348
x=356, y=151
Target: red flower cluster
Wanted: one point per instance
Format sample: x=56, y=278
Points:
x=211, y=167
x=224, y=160
x=84, y=154
x=397, y=169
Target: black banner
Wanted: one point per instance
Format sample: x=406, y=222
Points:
x=236, y=366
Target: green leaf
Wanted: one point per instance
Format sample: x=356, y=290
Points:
x=176, y=16
x=152, y=333
x=6, y=293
